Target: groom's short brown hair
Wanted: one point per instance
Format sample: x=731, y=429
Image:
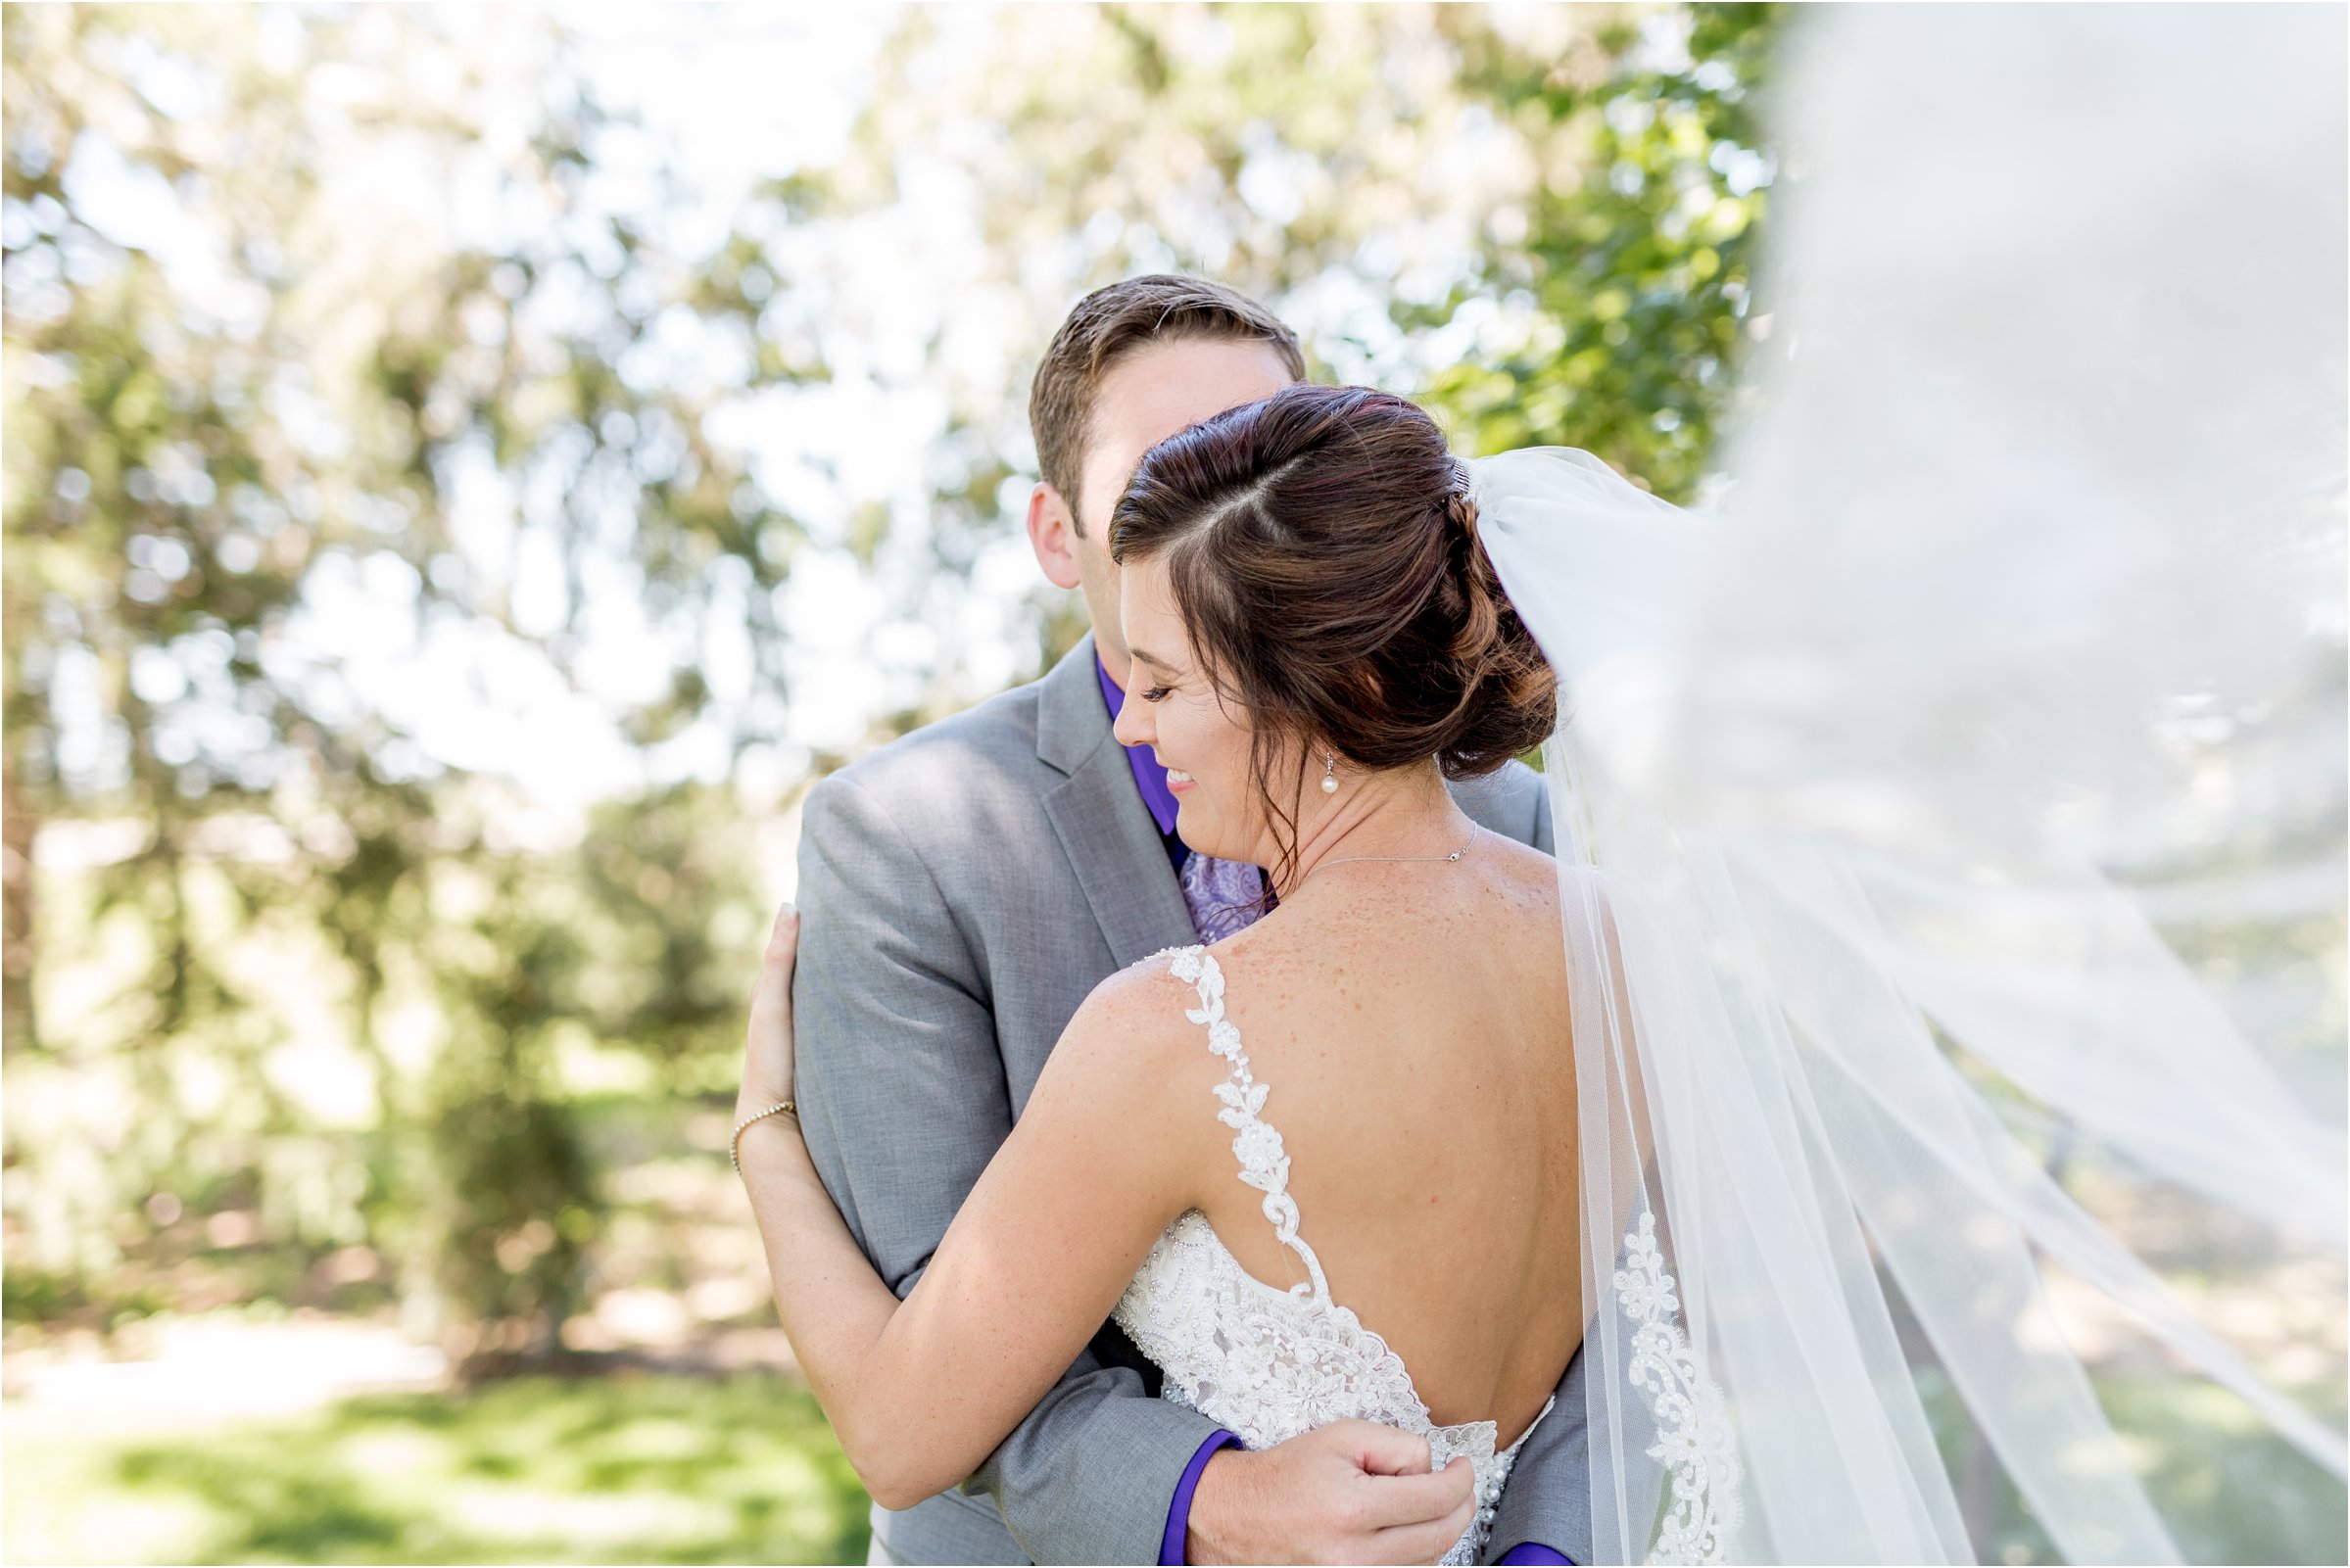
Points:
x=1111, y=322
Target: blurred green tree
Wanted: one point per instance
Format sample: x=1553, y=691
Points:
x=1634, y=266
x=286, y=294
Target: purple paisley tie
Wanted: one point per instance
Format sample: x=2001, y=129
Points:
x=1223, y=895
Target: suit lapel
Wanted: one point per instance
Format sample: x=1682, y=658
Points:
x=1105, y=830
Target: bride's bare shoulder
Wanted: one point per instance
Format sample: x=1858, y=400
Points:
x=1260, y=963
x=1142, y=1015
x=1133, y=1057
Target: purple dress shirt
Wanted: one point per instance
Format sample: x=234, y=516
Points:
x=1151, y=781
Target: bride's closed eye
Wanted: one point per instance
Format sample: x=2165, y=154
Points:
x=1156, y=694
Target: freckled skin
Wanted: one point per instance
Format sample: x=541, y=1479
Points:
x=1411, y=1021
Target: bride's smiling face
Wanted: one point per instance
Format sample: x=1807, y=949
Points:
x=1201, y=738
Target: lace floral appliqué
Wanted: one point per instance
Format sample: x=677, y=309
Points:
x=1695, y=1444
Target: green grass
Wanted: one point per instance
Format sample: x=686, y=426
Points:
x=630, y=1468
x=636, y=1467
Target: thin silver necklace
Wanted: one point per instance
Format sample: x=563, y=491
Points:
x=1423, y=859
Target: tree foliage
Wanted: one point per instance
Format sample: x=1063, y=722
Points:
x=323, y=323
x=1636, y=261
x=261, y=372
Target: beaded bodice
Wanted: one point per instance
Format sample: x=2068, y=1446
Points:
x=1265, y=1362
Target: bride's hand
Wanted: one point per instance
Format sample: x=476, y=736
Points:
x=767, y=1055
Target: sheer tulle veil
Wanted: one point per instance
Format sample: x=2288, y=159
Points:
x=1952, y=827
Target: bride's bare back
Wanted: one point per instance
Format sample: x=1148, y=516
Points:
x=1411, y=1023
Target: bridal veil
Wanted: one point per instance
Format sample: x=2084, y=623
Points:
x=1951, y=827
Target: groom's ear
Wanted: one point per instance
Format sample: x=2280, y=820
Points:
x=1053, y=534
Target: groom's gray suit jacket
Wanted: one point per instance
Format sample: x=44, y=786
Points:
x=961, y=891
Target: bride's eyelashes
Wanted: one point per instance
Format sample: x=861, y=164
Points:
x=1157, y=694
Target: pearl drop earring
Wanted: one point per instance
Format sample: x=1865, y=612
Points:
x=1330, y=771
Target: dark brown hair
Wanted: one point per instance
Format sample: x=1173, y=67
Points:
x=1111, y=322
x=1323, y=554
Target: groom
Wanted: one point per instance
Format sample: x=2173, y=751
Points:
x=963, y=889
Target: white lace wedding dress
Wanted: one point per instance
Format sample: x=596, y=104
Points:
x=1270, y=1363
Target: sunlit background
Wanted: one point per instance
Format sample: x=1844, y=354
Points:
x=467, y=471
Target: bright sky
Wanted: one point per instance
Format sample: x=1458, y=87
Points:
x=729, y=96
x=739, y=94
x=743, y=94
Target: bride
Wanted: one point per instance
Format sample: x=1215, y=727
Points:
x=1325, y=1169
x=1916, y=1089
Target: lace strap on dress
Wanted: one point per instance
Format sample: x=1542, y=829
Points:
x=1256, y=1143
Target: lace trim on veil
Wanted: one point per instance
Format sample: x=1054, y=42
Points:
x=1694, y=1439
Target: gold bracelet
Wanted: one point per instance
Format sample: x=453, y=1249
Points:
x=783, y=1107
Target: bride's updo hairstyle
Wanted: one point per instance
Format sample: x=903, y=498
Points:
x=1323, y=552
